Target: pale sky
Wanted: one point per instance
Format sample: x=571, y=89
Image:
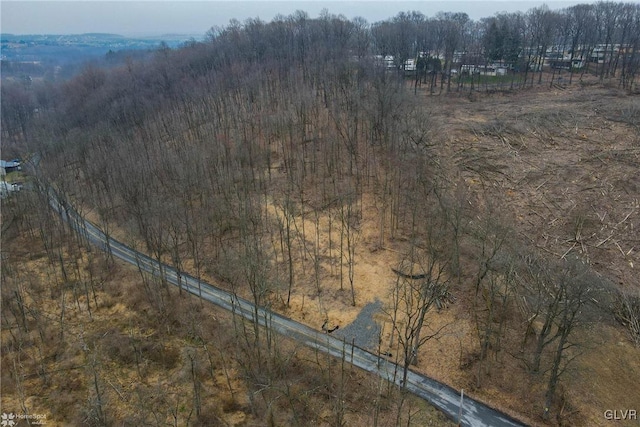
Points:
x=196, y=17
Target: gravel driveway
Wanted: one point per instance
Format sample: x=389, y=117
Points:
x=364, y=331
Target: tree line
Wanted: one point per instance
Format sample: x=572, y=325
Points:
x=600, y=39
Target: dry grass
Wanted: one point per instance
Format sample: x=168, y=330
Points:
x=141, y=353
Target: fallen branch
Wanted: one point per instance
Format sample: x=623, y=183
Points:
x=569, y=250
x=122, y=397
x=538, y=187
x=621, y=251
x=409, y=276
x=625, y=218
x=604, y=241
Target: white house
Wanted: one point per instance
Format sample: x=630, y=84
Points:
x=10, y=166
x=7, y=187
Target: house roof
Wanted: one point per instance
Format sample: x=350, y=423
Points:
x=11, y=164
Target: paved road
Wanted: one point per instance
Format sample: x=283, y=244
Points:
x=439, y=395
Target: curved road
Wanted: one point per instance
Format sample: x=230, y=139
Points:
x=439, y=395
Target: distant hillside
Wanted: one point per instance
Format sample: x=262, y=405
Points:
x=38, y=55
x=95, y=39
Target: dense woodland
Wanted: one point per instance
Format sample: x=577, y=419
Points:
x=273, y=157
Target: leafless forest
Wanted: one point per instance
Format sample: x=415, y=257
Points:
x=314, y=166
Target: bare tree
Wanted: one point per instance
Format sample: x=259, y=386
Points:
x=576, y=287
x=349, y=236
x=422, y=285
x=556, y=296
x=626, y=308
x=285, y=221
x=542, y=24
x=493, y=281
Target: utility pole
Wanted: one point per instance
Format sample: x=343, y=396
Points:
x=460, y=410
